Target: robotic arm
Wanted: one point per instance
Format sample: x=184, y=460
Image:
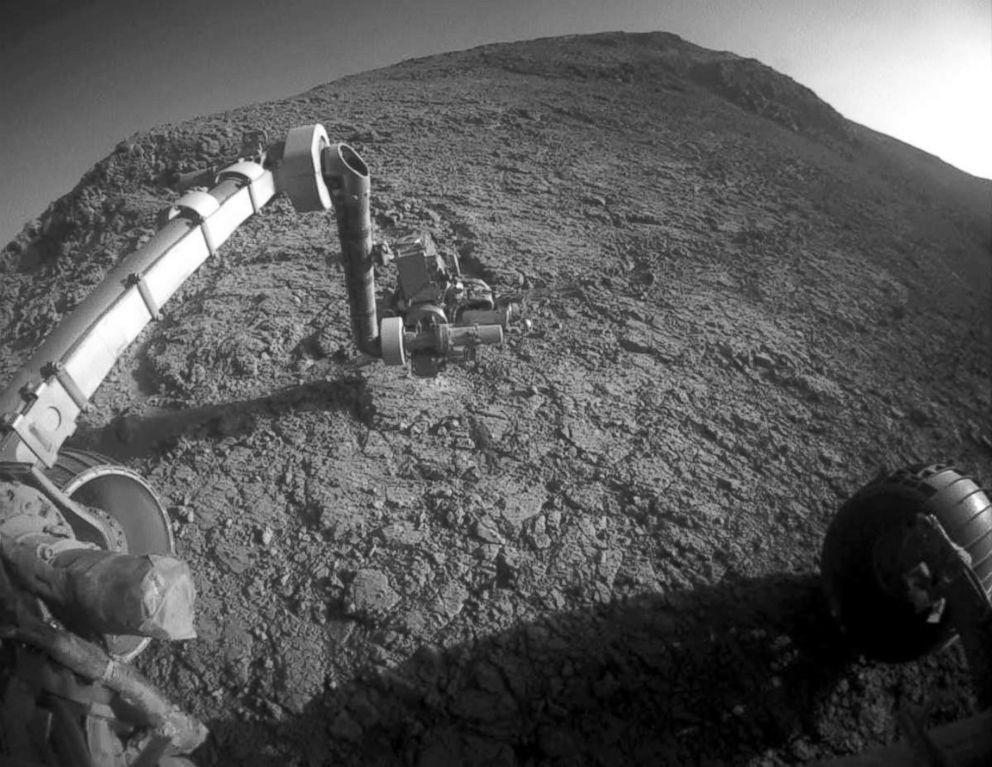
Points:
x=436, y=315
x=87, y=574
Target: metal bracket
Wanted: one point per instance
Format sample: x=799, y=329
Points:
x=50, y=408
x=138, y=281
x=202, y=205
x=58, y=371
x=36, y=442
x=248, y=172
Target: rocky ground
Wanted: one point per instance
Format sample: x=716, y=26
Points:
x=597, y=544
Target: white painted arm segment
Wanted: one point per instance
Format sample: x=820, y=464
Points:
x=40, y=406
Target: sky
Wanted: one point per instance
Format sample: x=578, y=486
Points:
x=77, y=77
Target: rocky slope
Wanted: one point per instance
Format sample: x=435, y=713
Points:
x=598, y=544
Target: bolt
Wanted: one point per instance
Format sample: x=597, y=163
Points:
x=29, y=392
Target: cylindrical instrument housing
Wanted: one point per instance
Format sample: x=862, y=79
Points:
x=347, y=177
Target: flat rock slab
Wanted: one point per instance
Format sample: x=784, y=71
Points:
x=371, y=592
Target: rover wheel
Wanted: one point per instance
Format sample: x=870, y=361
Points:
x=878, y=623
x=129, y=500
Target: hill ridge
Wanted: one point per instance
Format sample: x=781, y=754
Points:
x=745, y=82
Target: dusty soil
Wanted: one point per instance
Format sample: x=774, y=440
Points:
x=597, y=544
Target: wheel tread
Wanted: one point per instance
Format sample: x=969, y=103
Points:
x=881, y=624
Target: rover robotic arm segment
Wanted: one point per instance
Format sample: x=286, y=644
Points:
x=347, y=177
x=41, y=404
x=444, y=316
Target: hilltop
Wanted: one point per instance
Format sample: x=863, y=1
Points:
x=597, y=544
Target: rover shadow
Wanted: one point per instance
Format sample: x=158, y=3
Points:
x=708, y=676
x=133, y=436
